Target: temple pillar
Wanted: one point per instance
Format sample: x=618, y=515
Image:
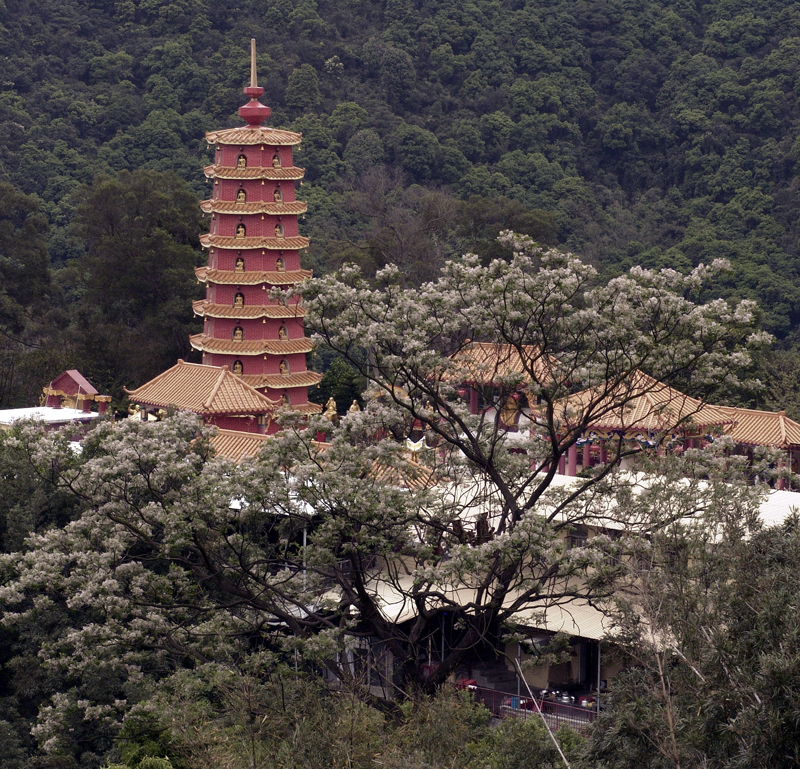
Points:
x=562, y=464
x=572, y=469
x=473, y=400
x=587, y=455
x=603, y=453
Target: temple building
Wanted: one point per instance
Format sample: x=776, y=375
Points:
x=253, y=247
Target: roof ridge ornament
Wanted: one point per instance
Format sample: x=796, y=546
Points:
x=253, y=112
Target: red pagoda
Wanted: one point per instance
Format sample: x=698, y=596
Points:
x=254, y=246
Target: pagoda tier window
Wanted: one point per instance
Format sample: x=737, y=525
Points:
x=237, y=368
x=238, y=334
x=280, y=265
x=241, y=162
x=238, y=300
x=284, y=367
x=241, y=230
x=238, y=264
x=283, y=334
x=276, y=160
x=285, y=400
x=278, y=195
x=278, y=230
x=241, y=196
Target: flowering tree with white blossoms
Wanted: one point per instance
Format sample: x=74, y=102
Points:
x=182, y=558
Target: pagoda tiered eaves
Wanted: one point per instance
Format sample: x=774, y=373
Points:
x=291, y=173
x=256, y=207
x=207, y=343
x=283, y=381
x=251, y=278
x=250, y=135
x=208, y=309
x=241, y=244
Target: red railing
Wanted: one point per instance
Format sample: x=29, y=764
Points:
x=556, y=714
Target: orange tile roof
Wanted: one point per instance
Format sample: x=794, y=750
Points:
x=411, y=476
x=642, y=404
x=251, y=277
x=289, y=173
x=249, y=135
x=255, y=207
x=253, y=347
x=241, y=244
x=236, y=445
x=762, y=428
x=204, y=390
x=307, y=408
x=487, y=362
x=210, y=310
x=283, y=381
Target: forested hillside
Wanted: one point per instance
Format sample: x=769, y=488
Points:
x=651, y=132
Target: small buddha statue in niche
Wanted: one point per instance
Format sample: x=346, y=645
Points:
x=240, y=230
x=241, y=196
x=276, y=160
x=239, y=265
x=238, y=301
x=280, y=265
x=238, y=334
x=278, y=196
x=241, y=162
x=284, y=367
x=283, y=334
x=237, y=368
x=284, y=400
x=278, y=230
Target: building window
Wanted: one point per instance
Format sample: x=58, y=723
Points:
x=241, y=196
x=278, y=230
x=241, y=162
x=241, y=230
x=276, y=160
x=284, y=367
x=278, y=195
x=238, y=334
x=237, y=368
x=280, y=265
x=238, y=300
x=239, y=264
x=283, y=334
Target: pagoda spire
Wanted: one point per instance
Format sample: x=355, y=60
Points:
x=254, y=112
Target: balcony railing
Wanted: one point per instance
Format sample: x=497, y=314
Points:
x=556, y=714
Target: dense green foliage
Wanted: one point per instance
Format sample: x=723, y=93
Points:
x=654, y=133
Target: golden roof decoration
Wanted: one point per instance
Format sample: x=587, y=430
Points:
x=207, y=343
x=243, y=244
x=251, y=277
x=250, y=135
x=208, y=309
x=287, y=173
x=204, y=390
